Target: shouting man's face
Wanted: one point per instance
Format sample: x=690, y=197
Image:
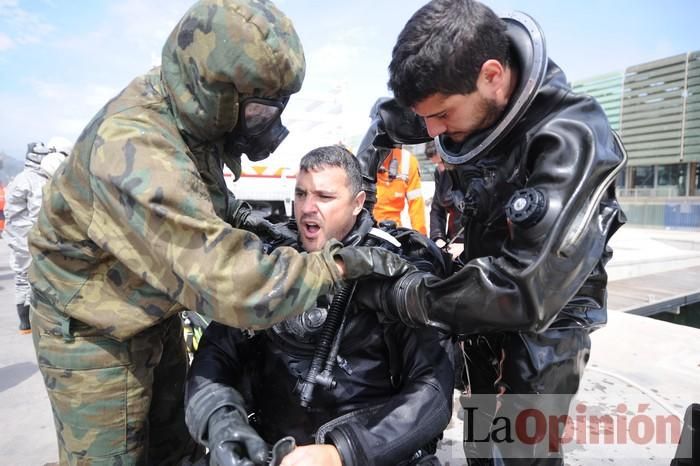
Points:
x=324, y=206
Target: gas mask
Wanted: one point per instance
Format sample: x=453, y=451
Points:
x=36, y=151
x=260, y=130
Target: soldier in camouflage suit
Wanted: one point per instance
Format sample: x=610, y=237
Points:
x=132, y=231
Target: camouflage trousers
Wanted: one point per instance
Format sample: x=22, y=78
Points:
x=114, y=403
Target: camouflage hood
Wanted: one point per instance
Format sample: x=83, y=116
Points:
x=222, y=51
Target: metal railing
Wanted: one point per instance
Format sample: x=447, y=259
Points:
x=673, y=212
x=663, y=191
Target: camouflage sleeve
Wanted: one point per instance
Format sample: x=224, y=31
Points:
x=152, y=212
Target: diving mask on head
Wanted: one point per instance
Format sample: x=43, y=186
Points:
x=260, y=130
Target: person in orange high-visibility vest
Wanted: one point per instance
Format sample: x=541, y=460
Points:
x=398, y=180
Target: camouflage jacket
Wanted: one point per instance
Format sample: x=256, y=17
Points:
x=131, y=231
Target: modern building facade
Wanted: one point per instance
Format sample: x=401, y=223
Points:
x=655, y=107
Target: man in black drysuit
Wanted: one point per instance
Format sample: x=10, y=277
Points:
x=534, y=166
x=391, y=396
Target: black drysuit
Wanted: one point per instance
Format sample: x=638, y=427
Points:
x=538, y=203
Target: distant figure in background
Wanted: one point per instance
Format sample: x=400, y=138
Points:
x=61, y=145
x=445, y=219
x=2, y=197
x=21, y=210
x=398, y=180
x=2, y=208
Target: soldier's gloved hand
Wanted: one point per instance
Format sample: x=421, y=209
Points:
x=241, y=215
x=365, y=262
x=232, y=441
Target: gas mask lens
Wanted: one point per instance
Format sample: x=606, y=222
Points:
x=260, y=130
x=259, y=114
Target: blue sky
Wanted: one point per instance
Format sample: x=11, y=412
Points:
x=61, y=60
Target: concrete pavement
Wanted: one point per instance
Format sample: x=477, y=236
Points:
x=27, y=436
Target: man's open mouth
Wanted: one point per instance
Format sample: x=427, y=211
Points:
x=311, y=228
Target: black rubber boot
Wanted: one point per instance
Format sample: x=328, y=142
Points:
x=23, y=313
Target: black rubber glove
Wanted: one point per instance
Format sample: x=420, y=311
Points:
x=232, y=442
x=424, y=253
x=365, y=262
x=241, y=215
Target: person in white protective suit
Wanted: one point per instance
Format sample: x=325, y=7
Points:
x=61, y=145
x=23, y=200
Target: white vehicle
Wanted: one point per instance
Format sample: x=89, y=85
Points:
x=266, y=187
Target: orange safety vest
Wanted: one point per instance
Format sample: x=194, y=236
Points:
x=398, y=180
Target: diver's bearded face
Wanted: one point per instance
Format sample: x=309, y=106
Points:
x=457, y=116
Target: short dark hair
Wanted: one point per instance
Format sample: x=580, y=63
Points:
x=442, y=48
x=334, y=156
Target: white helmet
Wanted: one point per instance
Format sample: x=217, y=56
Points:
x=60, y=144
